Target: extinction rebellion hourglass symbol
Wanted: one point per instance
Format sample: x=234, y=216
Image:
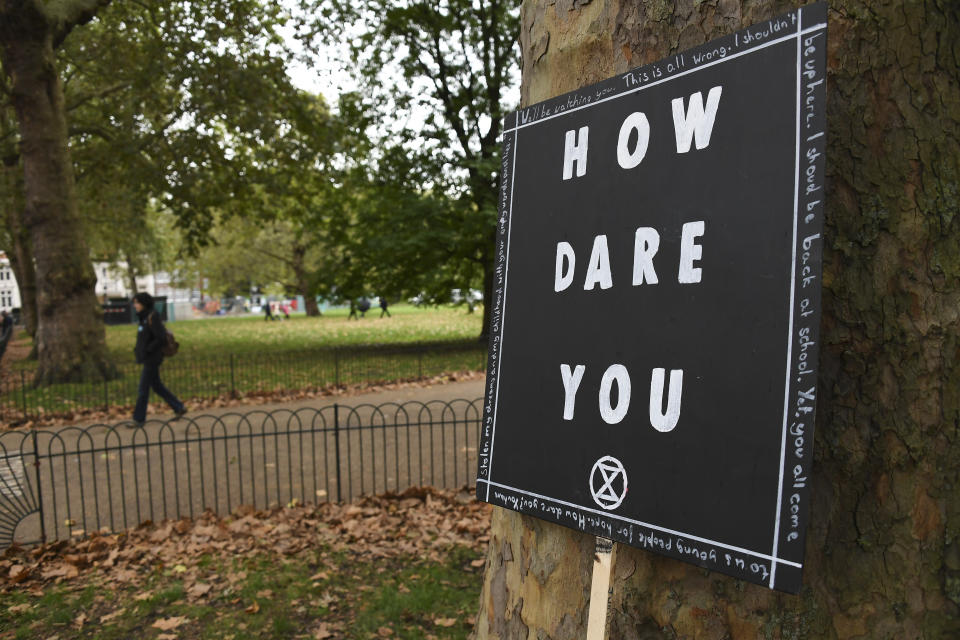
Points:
x=608, y=482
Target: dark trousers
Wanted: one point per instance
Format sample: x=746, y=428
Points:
x=150, y=379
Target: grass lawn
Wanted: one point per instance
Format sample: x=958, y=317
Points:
x=240, y=355
x=404, y=567
x=317, y=594
x=218, y=336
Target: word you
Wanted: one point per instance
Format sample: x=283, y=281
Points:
x=662, y=421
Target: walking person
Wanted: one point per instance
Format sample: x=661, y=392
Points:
x=383, y=307
x=151, y=339
x=267, y=312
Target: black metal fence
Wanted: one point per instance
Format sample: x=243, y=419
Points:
x=60, y=483
x=203, y=378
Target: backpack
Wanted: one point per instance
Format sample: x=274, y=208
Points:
x=170, y=345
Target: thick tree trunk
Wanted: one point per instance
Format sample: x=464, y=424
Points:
x=310, y=305
x=70, y=335
x=883, y=547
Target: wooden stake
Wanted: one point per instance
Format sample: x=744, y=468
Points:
x=600, y=589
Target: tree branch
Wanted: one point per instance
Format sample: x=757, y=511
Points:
x=64, y=15
x=270, y=254
x=92, y=95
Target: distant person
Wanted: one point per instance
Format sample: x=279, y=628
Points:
x=353, y=310
x=6, y=331
x=151, y=339
x=285, y=310
x=383, y=307
x=267, y=312
x=363, y=306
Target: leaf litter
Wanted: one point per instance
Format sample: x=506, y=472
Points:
x=421, y=522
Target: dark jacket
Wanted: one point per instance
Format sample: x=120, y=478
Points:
x=151, y=338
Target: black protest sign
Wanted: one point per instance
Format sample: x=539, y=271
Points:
x=655, y=318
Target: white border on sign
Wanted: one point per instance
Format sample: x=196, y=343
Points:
x=722, y=545
x=503, y=314
x=793, y=287
x=773, y=557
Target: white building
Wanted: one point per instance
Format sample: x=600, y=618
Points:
x=112, y=282
x=9, y=291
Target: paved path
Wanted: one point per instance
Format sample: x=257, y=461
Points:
x=109, y=477
x=406, y=392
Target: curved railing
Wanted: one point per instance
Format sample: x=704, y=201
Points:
x=74, y=481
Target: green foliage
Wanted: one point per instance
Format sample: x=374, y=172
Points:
x=432, y=100
x=171, y=105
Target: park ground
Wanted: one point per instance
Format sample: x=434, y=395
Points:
x=274, y=362
x=397, y=566
x=393, y=566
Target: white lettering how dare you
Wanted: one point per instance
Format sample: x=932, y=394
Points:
x=693, y=124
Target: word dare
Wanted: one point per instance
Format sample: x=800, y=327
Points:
x=645, y=245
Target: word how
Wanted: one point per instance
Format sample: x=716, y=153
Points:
x=696, y=122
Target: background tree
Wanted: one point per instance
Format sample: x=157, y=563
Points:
x=70, y=339
x=165, y=101
x=445, y=106
x=883, y=546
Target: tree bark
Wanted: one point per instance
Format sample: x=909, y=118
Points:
x=303, y=280
x=21, y=258
x=21, y=261
x=883, y=545
x=70, y=335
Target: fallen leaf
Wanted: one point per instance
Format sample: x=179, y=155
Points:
x=444, y=622
x=18, y=573
x=198, y=590
x=478, y=563
x=79, y=621
x=110, y=616
x=266, y=594
x=384, y=632
x=254, y=608
x=322, y=632
x=166, y=624
x=20, y=608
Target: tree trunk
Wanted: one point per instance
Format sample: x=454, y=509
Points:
x=131, y=273
x=303, y=281
x=310, y=306
x=883, y=545
x=21, y=260
x=70, y=335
